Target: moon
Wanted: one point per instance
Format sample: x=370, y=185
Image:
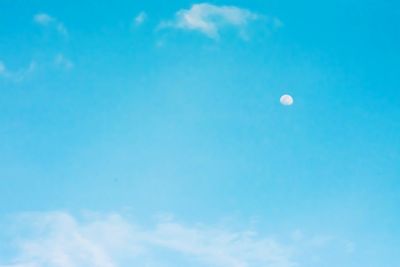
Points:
x=286, y=100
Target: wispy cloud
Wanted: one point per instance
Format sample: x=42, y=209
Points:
x=58, y=239
x=140, y=18
x=209, y=19
x=17, y=75
x=20, y=74
x=45, y=20
x=61, y=61
x=61, y=240
x=2, y=68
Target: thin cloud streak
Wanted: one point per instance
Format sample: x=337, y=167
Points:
x=2, y=68
x=140, y=18
x=60, y=240
x=18, y=75
x=62, y=61
x=45, y=20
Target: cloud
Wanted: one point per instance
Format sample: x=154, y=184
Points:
x=140, y=18
x=46, y=20
x=17, y=75
x=2, y=68
x=209, y=19
x=59, y=239
x=43, y=19
x=222, y=248
x=61, y=61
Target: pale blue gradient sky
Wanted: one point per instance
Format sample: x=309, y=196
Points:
x=107, y=115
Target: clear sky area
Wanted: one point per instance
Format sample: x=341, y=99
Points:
x=256, y=133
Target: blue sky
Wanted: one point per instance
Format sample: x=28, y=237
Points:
x=151, y=133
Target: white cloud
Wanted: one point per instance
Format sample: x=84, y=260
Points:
x=140, y=18
x=210, y=19
x=24, y=73
x=60, y=240
x=46, y=20
x=61, y=61
x=2, y=68
x=43, y=19
x=222, y=248
x=17, y=75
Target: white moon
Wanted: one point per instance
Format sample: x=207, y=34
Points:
x=286, y=100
